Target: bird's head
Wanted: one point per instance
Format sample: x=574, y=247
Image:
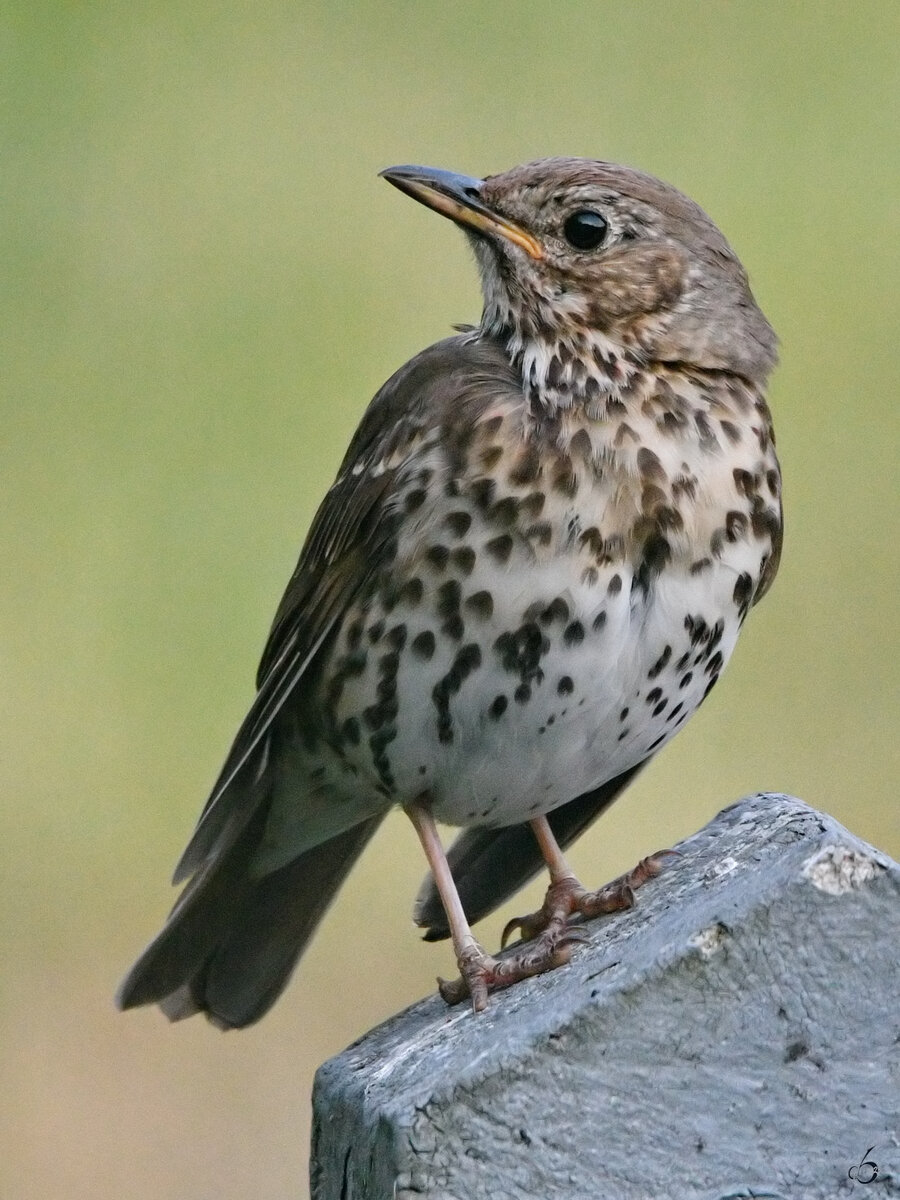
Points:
x=592, y=271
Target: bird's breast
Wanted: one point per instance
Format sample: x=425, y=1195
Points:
x=560, y=603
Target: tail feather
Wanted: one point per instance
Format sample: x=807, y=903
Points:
x=232, y=939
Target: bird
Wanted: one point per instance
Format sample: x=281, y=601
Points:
x=530, y=571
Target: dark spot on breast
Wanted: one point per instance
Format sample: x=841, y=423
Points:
x=774, y=482
x=527, y=468
x=423, y=645
x=599, y=621
x=656, y=553
x=388, y=665
x=670, y=423
x=614, y=586
x=351, y=732
x=504, y=512
x=573, y=634
x=708, y=439
x=684, y=485
x=437, y=557
x=458, y=523
x=743, y=590
x=702, y=564
x=540, y=532
x=660, y=708
x=714, y=666
x=731, y=431
x=557, y=610
x=593, y=539
x=440, y=695
x=674, y=713
x=649, y=465
x=490, y=456
x=397, y=637
x=623, y=715
x=500, y=548
x=668, y=519
x=532, y=506
x=565, y=687
x=686, y=679
x=375, y=631
x=481, y=604
x=744, y=482
x=565, y=479
x=463, y=558
x=415, y=499
x=698, y=630
x=653, y=695
x=581, y=446
x=377, y=715
x=520, y=651
x=490, y=426
x=482, y=491
x=652, y=497
x=624, y=433
x=765, y=522
x=522, y=694
x=735, y=525
x=354, y=634
x=498, y=707
x=468, y=659
x=454, y=627
x=449, y=595
x=412, y=591
x=659, y=741
x=660, y=663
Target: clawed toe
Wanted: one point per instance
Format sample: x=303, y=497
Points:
x=481, y=973
x=548, y=938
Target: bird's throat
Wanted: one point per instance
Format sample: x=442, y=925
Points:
x=582, y=368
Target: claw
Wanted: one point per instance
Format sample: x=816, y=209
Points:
x=575, y=935
x=509, y=928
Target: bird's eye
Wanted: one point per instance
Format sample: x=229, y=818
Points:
x=585, y=229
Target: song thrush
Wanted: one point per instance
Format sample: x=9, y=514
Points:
x=530, y=571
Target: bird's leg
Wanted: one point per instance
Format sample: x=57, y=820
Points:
x=480, y=972
x=566, y=897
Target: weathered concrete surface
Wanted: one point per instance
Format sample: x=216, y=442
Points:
x=736, y=1034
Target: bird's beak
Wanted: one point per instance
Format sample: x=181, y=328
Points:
x=459, y=198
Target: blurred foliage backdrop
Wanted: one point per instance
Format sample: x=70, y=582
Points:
x=203, y=283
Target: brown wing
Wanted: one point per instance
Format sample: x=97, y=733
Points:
x=351, y=533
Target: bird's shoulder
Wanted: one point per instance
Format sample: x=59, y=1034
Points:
x=444, y=387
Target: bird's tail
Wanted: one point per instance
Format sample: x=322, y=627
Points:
x=232, y=940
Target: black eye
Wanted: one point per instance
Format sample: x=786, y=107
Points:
x=585, y=229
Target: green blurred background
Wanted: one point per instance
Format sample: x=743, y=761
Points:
x=203, y=283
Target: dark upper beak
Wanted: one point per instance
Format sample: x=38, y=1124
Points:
x=459, y=198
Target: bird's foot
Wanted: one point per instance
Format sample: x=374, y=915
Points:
x=548, y=938
x=481, y=973
x=567, y=898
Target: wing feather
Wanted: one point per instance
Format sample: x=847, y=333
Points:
x=350, y=534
